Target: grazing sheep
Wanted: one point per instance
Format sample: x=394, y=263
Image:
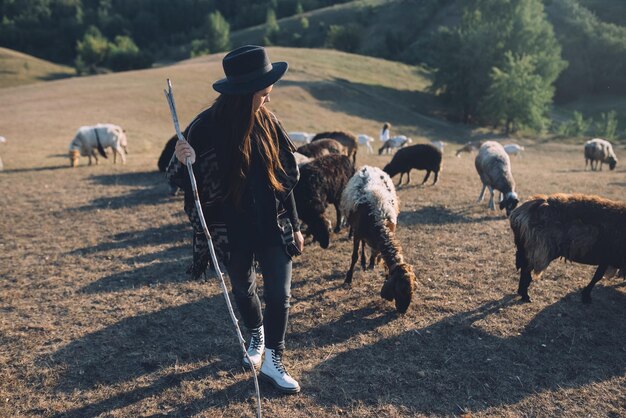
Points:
x=439, y=144
x=580, y=228
x=321, y=183
x=469, y=147
x=301, y=159
x=513, y=149
x=367, y=141
x=420, y=157
x=88, y=139
x=301, y=137
x=2, y=139
x=370, y=203
x=322, y=147
x=166, y=154
x=494, y=168
x=599, y=150
x=347, y=139
x=394, y=143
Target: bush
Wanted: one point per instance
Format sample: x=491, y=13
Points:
x=607, y=126
x=344, y=38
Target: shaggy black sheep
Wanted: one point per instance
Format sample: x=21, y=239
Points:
x=166, y=154
x=420, y=157
x=580, y=228
x=347, y=139
x=322, y=147
x=321, y=183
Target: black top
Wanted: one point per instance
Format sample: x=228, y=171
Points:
x=254, y=221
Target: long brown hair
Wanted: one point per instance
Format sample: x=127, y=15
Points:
x=235, y=111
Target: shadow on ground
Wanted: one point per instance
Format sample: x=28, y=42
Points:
x=454, y=364
x=440, y=215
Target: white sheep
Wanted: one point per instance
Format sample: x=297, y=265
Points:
x=371, y=205
x=396, y=143
x=494, y=168
x=439, y=144
x=89, y=139
x=2, y=139
x=303, y=137
x=513, y=149
x=599, y=150
x=367, y=141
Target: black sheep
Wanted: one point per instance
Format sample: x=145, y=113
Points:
x=166, y=154
x=321, y=183
x=420, y=157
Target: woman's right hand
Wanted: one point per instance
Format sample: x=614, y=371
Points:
x=183, y=151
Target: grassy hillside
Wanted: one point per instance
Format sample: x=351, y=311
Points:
x=323, y=90
x=98, y=318
x=18, y=69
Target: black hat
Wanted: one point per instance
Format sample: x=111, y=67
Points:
x=248, y=69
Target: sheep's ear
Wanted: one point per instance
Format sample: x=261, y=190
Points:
x=387, y=290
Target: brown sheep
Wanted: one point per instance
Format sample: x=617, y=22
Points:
x=347, y=139
x=580, y=228
x=322, y=147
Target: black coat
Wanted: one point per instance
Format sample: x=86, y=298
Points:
x=204, y=134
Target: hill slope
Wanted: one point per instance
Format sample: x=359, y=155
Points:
x=323, y=90
x=18, y=69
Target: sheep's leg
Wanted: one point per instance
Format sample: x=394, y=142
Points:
x=482, y=193
x=426, y=177
x=408, y=177
x=363, y=255
x=586, y=296
x=339, y=218
x=400, y=182
x=436, y=177
x=115, y=152
x=373, y=258
x=355, y=257
x=492, y=206
x=89, y=156
x=601, y=163
x=524, y=281
x=369, y=148
x=586, y=162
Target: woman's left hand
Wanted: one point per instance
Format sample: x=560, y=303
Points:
x=299, y=240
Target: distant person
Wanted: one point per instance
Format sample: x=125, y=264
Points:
x=384, y=137
x=384, y=133
x=246, y=172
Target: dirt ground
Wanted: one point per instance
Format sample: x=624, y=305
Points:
x=98, y=318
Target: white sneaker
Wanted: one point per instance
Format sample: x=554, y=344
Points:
x=274, y=372
x=256, y=347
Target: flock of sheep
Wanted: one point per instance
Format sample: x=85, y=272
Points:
x=580, y=228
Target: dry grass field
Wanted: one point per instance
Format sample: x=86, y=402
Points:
x=17, y=69
x=98, y=318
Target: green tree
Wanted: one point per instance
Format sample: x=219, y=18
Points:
x=465, y=55
x=125, y=55
x=92, y=51
x=345, y=38
x=607, y=126
x=271, y=27
x=517, y=96
x=218, y=32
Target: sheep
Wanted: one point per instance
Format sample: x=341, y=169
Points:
x=367, y=141
x=438, y=144
x=301, y=137
x=370, y=203
x=2, y=139
x=88, y=139
x=420, y=157
x=395, y=143
x=599, y=150
x=347, y=139
x=469, y=147
x=513, y=149
x=302, y=159
x=581, y=228
x=322, y=147
x=321, y=183
x=166, y=154
x=494, y=168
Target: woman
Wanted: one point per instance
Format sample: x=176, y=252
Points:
x=245, y=168
x=384, y=133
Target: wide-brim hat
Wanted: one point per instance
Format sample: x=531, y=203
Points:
x=248, y=69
